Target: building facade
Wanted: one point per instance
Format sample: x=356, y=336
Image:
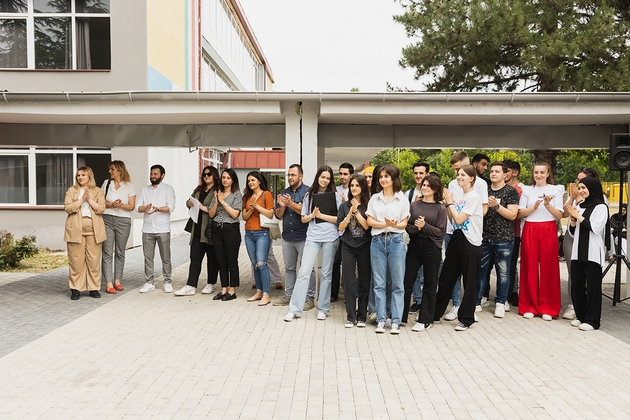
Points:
x=114, y=45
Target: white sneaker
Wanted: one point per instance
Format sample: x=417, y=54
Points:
x=499, y=310
x=478, y=308
x=185, y=291
x=289, y=317
x=484, y=302
x=208, y=289
x=586, y=327
x=476, y=318
x=395, y=329
x=168, y=288
x=349, y=324
x=360, y=324
x=321, y=316
x=419, y=327
x=372, y=317
x=569, y=313
x=148, y=287
x=546, y=317
x=460, y=327
x=575, y=323
x=452, y=315
x=380, y=328
x=507, y=306
x=528, y=315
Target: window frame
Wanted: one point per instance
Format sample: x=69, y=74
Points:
x=30, y=17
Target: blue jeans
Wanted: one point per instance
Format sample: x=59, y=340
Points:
x=388, y=257
x=309, y=257
x=502, y=252
x=257, y=243
x=417, y=286
x=457, y=290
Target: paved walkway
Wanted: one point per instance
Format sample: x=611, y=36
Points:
x=154, y=355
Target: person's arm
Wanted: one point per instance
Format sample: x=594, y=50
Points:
x=344, y=215
x=362, y=220
x=170, y=201
x=510, y=212
x=98, y=201
x=267, y=210
x=70, y=205
x=212, y=210
x=375, y=223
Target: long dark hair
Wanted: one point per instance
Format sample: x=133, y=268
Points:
x=394, y=174
x=248, y=191
x=376, y=186
x=315, y=186
x=215, y=177
x=364, y=197
x=231, y=174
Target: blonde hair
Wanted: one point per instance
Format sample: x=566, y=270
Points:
x=120, y=167
x=88, y=171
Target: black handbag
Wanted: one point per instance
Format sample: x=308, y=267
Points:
x=189, y=225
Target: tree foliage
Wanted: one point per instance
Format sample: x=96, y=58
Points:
x=498, y=45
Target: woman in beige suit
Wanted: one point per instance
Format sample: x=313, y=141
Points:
x=84, y=233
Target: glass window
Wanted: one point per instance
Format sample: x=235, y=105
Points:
x=48, y=6
x=92, y=6
x=54, y=175
x=54, y=35
x=13, y=6
x=13, y=179
x=98, y=163
x=52, y=43
x=13, y=43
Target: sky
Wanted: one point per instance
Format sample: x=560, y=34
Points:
x=331, y=45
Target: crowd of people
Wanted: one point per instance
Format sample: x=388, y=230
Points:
x=383, y=245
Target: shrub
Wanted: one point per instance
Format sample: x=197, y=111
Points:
x=12, y=252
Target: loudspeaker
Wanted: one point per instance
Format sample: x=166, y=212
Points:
x=619, y=159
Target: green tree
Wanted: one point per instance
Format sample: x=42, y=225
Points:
x=403, y=159
x=526, y=45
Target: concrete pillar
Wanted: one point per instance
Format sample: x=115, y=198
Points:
x=312, y=153
x=303, y=148
x=292, y=146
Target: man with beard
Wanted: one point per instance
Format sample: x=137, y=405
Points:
x=157, y=202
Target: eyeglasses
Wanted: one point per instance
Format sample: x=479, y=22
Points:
x=207, y=174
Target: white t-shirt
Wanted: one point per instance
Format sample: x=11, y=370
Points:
x=125, y=191
x=469, y=203
x=480, y=186
x=322, y=231
x=396, y=209
x=532, y=194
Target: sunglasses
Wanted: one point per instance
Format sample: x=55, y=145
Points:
x=207, y=174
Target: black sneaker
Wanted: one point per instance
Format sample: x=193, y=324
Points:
x=514, y=299
x=95, y=294
x=414, y=308
x=75, y=294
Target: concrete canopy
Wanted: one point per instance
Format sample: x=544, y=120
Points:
x=343, y=123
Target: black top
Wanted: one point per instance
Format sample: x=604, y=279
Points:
x=354, y=235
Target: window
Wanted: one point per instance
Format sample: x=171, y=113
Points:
x=55, y=34
x=14, y=179
x=41, y=177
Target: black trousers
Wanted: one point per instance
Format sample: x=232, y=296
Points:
x=227, y=241
x=336, y=275
x=461, y=258
x=513, y=263
x=356, y=258
x=422, y=252
x=586, y=291
x=198, y=250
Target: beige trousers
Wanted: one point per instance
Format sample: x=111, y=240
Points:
x=84, y=260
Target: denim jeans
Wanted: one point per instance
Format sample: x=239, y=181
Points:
x=417, y=286
x=292, y=251
x=309, y=257
x=388, y=256
x=457, y=290
x=257, y=243
x=502, y=253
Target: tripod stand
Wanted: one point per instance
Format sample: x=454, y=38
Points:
x=619, y=256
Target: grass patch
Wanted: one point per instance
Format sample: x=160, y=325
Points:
x=44, y=260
